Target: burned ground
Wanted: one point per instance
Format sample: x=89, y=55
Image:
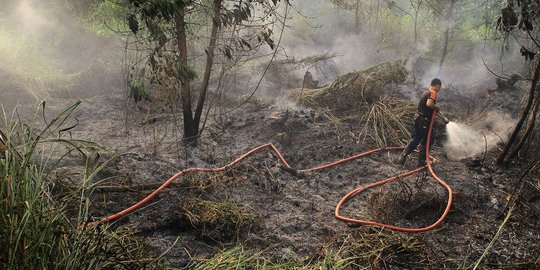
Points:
x=286, y=215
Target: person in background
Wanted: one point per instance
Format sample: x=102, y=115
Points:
x=426, y=106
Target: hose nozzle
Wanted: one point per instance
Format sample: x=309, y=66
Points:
x=444, y=119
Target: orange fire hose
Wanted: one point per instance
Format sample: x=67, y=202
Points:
x=341, y=202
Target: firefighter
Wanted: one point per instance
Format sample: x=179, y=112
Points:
x=426, y=106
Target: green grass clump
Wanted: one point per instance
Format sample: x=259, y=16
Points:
x=238, y=258
x=139, y=90
x=362, y=249
x=41, y=230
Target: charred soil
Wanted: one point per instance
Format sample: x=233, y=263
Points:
x=287, y=215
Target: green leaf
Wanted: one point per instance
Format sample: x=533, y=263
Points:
x=138, y=88
x=185, y=73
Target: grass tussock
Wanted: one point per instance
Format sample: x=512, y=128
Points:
x=218, y=219
x=369, y=96
x=367, y=249
x=384, y=124
x=379, y=249
x=238, y=258
x=348, y=91
x=39, y=230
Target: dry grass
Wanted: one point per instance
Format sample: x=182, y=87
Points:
x=218, y=219
x=380, y=249
x=238, y=258
x=200, y=183
x=365, y=94
x=363, y=249
x=352, y=89
x=383, y=122
x=409, y=202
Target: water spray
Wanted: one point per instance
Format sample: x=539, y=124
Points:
x=469, y=140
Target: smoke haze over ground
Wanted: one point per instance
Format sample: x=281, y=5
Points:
x=46, y=52
x=65, y=58
x=466, y=141
x=321, y=27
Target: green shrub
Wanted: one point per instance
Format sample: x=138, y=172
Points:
x=41, y=230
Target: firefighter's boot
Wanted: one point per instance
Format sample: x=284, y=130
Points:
x=403, y=157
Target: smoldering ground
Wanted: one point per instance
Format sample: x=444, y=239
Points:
x=297, y=210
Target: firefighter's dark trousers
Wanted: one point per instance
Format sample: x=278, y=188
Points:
x=419, y=136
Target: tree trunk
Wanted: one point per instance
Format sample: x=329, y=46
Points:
x=209, y=61
x=530, y=127
x=416, y=11
x=377, y=14
x=357, y=17
x=190, y=129
x=513, y=137
x=447, y=34
x=445, y=49
x=415, y=34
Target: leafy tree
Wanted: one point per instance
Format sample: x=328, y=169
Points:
x=167, y=23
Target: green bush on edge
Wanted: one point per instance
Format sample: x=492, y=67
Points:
x=35, y=230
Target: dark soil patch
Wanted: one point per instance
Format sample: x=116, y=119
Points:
x=294, y=212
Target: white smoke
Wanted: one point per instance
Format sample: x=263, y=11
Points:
x=465, y=141
x=27, y=16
